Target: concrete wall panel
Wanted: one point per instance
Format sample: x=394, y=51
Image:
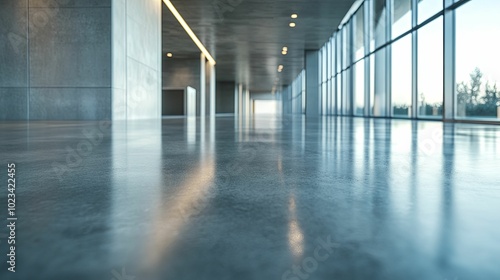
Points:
x=69, y=3
x=142, y=84
x=70, y=103
x=71, y=59
x=72, y=49
x=13, y=43
x=142, y=42
x=13, y=103
x=180, y=73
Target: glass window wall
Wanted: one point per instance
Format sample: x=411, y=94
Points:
x=401, y=81
x=360, y=76
x=430, y=69
x=477, y=72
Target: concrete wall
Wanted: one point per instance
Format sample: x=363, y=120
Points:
x=225, y=97
x=55, y=59
x=181, y=73
x=136, y=59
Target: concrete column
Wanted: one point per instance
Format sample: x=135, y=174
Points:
x=203, y=85
x=245, y=101
x=212, y=89
x=236, y=99
x=136, y=59
x=312, y=83
x=241, y=112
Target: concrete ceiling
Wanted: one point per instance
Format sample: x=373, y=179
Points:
x=246, y=36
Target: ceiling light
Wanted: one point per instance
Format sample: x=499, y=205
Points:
x=170, y=54
x=283, y=52
x=280, y=68
x=294, y=16
x=292, y=24
x=285, y=49
x=189, y=31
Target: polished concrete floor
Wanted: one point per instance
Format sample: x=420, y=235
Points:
x=262, y=198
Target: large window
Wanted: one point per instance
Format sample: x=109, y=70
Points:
x=380, y=83
x=359, y=23
x=428, y=8
x=334, y=95
x=379, y=24
x=430, y=69
x=338, y=42
x=401, y=17
x=372, y=84
x=402, y=77
x=322, y=64
x=389, y=59
x=332, y=76
x=346, y=45
x=265, y=107
x=359, y=88
x=339, y=93
x=478, y=60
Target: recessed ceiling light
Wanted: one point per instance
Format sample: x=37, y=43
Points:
x=280, y=68
x=170, y=54
x=292, y=24
x=285, y=49
x=294, y=16
x=283, y=52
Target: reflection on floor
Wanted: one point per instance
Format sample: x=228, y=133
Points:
x=225, y=198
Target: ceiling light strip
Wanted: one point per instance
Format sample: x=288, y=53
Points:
x=189, y=31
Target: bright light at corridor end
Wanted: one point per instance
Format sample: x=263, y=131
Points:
x=189, y=31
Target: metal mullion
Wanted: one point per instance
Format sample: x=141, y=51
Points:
x=414, y=57
x=388, y=60
x=366, y=42
x=350, y=89
x=449, y=104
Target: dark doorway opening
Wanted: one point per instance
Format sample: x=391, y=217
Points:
x=173, y=102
